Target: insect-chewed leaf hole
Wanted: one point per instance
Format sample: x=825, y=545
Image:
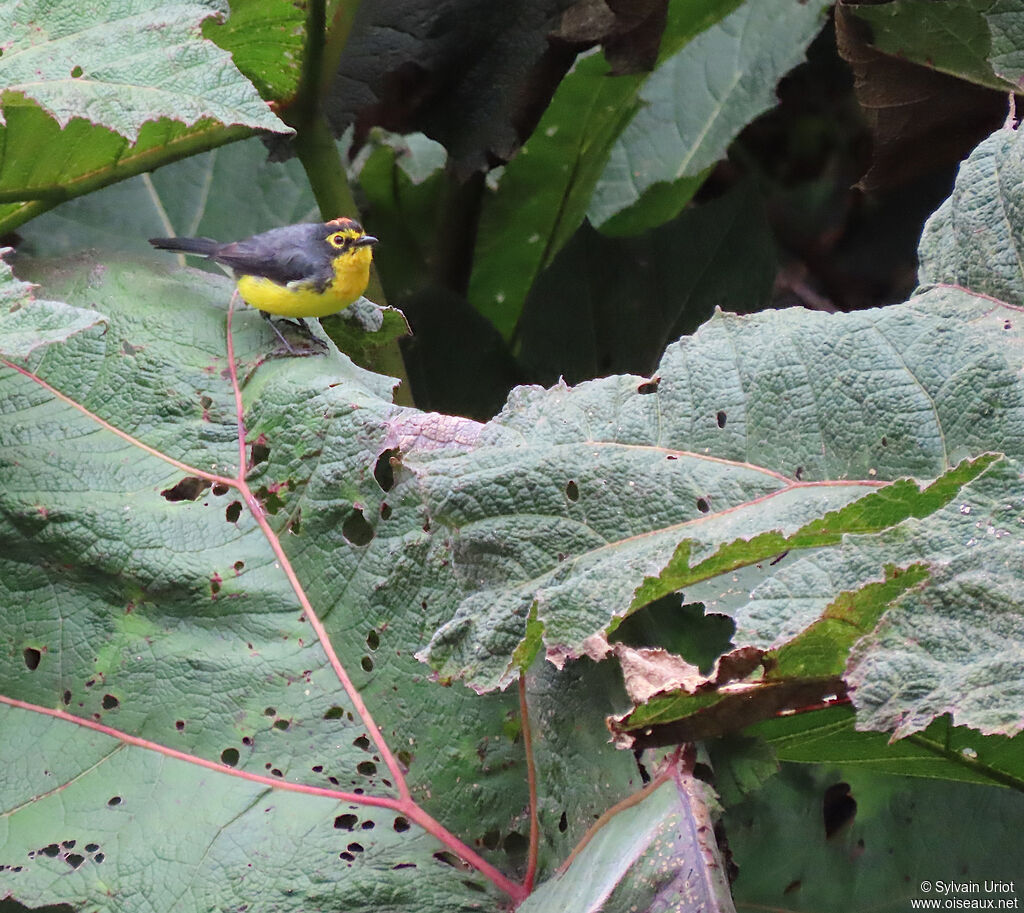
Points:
x=233, y=511
x=32, y=656
x=720, y=417
x=373, y=640
x=334, y=713
x=229, y=756
x=110, y=702
x=447, y=858
x=189, y=488
x=366, y=768
x=703, y=505
x=649, y=386
x=838, y=808
x=400, y=824
x=383, y=469
x=572, y=491
x=114, y=801
x=366, y=663
x=356, y=529
x=259, y=452
x=563, y=823
x=345, y=822
x=362, y=743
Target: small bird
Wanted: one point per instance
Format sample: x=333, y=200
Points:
x=308, y=270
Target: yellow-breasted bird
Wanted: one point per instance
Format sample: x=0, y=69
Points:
x=307, y=270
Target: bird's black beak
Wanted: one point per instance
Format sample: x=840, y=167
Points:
x=364, y=241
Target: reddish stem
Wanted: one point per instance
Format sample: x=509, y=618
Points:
x=531, y=779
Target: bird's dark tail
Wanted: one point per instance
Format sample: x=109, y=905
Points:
x=205, y=246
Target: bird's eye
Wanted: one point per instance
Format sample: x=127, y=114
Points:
x=337, y=240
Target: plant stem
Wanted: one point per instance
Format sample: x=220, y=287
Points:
x=531, y=779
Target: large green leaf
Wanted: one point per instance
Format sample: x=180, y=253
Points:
x=542, y=195
x=693, y=105
x=902, y=842
x=93, y=95
x=976, y=40
x=122, y=63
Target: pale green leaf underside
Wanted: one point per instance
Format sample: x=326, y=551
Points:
x=648, y=857
x=696, y=101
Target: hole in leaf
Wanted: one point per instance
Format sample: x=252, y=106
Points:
x=233, y=511
x=281, y=724
x=334, y=713
x=98, y=858
x=720, y=417
x=362, y=743
x=572, y=491
x=215, y=582
x=345, y=822
x=385, y=510
x=317, y=768
x=276, y=771
x=52, y=851
x=32, y=656
x=373, y=640
x=447, y=858
x=400, y=824
x=259, y=452
x=491, y=840
x=703, y=505
x=229, y=756
x=110, y=702
x=348, y=857
x=403, y=865
x=189, y=488
x=885, y=441
x=219, y=488
x=238, y=565
x=1007, y=325
x=246, y=741
x=205, y=401
x=355, y=848
x=799, y=473
x=76, y=71
x=356, y=528
x=563, y=823
x=366, y=768
x=113, y=801
x=91, y=847
x=384, y=471
x=649, y=386
x=269, y=711
x=516, y=844
x=368, y=825
x=66, y=697
x=366, y=663
x=838, y=808
x=404, y=757
x=179, y=725
x=74, y=860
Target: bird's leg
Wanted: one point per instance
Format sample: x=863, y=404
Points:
x=318, y=344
